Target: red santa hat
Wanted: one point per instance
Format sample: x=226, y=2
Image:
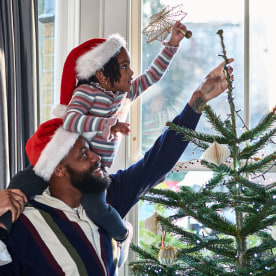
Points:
x=83, y=62
x=48, y=146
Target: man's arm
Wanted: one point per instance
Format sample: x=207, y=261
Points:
x=128, y=185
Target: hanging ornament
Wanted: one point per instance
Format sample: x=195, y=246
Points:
x=216, y=153
x=167, y=254
x=151, y=223
x=161, y=23
x=273, y=233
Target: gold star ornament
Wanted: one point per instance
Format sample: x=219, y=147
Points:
x=161, y=23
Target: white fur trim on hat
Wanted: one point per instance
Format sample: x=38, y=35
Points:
x=90, y=62
x=59, y=110
x=57, y=148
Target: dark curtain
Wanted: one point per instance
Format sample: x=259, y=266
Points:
x=18, y=83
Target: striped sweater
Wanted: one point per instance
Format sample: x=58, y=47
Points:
x=93, y=109
x=52, y=239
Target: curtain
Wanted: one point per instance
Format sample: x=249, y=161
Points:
x=18, y=83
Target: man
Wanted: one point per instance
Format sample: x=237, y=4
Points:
x=54, y=236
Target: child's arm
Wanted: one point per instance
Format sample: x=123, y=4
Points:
x=160, y=64
x=78, y=116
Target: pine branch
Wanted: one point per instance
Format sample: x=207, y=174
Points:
x=251, y=185
x=218, y=124
x=215, y=180
x=184, y=235
x=265, y=223
x=185, y=201
x=200, y=265
x=271, y=186
x=212, y=220
x=221, y=169
x=259, y=166
x=262, y=247
x=229, y=85
x=251, y=222
x=262, y=126
x=221, y=250
x=266, y=267
x=144, y=254
x=190, y=135
x=252, y=149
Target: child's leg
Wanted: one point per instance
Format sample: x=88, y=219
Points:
x=104, y=149
x=30, y=184
x=104, y=215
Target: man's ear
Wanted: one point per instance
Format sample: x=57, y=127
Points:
x=59, y=170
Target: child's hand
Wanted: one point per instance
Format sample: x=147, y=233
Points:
x=176, y=34
x=120, y=127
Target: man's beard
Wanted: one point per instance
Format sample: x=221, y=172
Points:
x=86, y=182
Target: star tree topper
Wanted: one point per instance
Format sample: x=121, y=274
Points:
x=161, y=23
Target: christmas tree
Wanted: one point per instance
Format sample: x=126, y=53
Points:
x=243, y=246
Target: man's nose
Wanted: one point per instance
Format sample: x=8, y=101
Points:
x=94, y=157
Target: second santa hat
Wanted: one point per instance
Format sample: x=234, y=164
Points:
x=48, y=146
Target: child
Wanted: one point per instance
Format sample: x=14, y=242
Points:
x=99, y=105
x=105, y=88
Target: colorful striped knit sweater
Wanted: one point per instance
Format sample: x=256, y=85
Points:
x=93, y=109
x=78, y=245
x=54, y=239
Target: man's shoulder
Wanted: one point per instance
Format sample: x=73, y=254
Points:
x=33, y=212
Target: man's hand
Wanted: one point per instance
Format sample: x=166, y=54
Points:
x=120, y=127
x=12, y=200
x=177, y=34
x=213, y=85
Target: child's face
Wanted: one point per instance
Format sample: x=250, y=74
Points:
x=124, y=83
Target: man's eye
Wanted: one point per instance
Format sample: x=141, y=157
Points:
x=84, y=154
x=124, y=67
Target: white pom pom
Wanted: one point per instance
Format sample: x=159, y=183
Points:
x=216, y=153
x=59, y=111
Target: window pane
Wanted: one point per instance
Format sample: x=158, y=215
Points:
x=196, y=57
x=262, y=61
x=46, y=29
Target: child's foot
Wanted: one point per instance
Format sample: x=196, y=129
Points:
x=124, y=245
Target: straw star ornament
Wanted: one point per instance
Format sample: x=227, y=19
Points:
x=161, y=23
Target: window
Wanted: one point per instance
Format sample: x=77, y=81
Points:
x=46, y=38
x=250, y=42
